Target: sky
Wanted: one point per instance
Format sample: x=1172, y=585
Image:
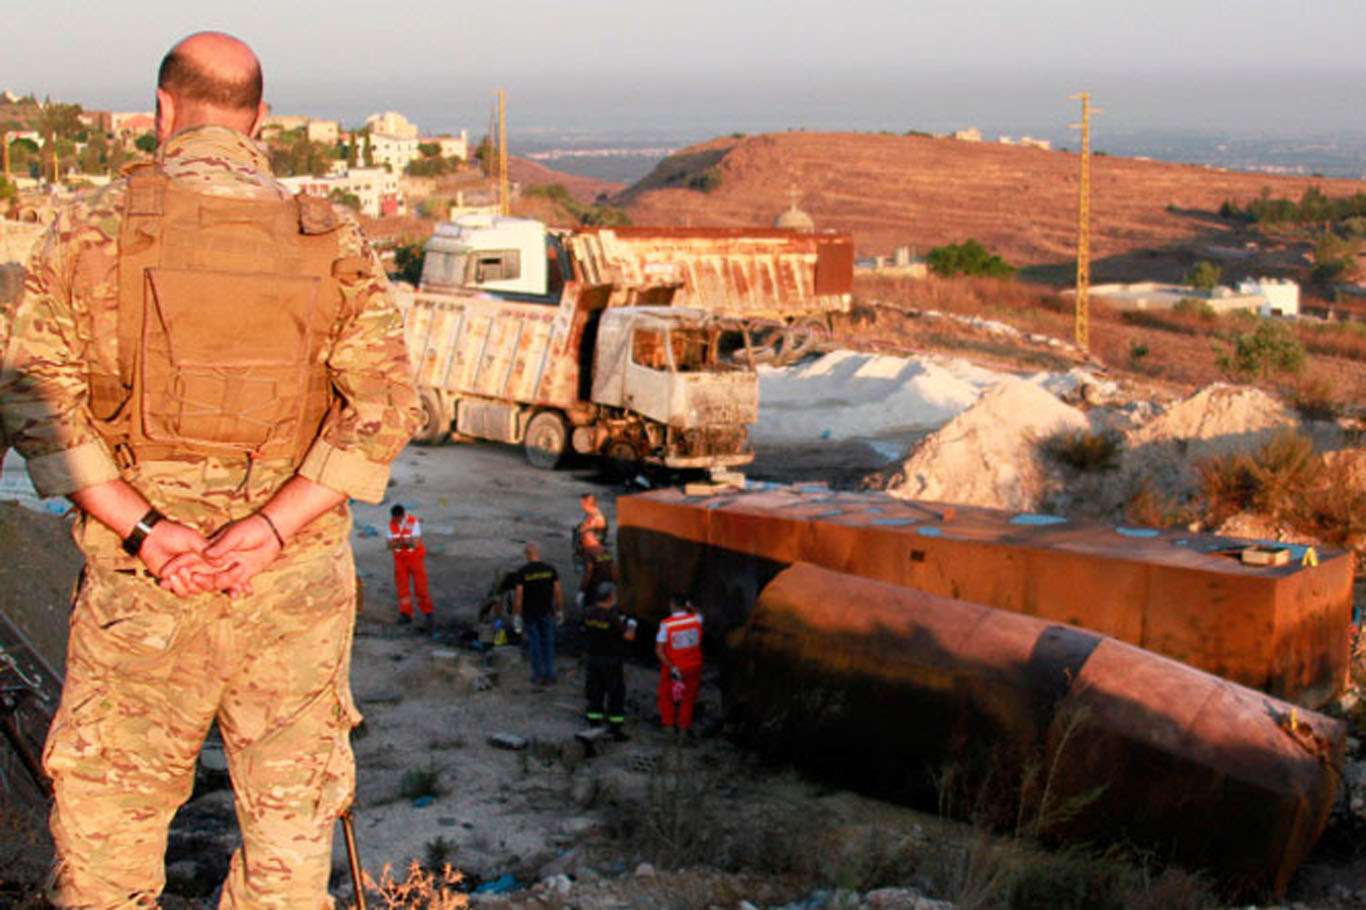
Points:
x=706, y=66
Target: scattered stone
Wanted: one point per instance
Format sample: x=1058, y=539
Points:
x=212, y=758
x=645, y=870
x=578, y=825
x=558, y=885
x=566, y=863
x=509, y=741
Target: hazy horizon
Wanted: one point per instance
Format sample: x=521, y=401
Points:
x=1241, y=70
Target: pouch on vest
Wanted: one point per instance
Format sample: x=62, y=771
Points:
x=224, y=306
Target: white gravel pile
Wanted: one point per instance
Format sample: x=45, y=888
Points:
x=989, y=455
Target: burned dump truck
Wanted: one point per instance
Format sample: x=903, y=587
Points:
x=896, y=645
x=530, y=355
x=782, y=286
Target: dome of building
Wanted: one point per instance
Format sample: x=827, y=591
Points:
x=794, y=219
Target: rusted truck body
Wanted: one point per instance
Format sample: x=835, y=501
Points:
x=636, y=384
x=781, y=285
x=879, y=638
x=1281, y=629
x=1042, y=727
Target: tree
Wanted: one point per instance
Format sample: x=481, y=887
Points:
x=348, y=199
x=146, y=143
x=967, y=258
x=408, y=258
x=1205, y=276
x=429, y=149
x=1334, y=259
x=1269, y=348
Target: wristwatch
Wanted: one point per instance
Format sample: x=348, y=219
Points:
x=132, y=544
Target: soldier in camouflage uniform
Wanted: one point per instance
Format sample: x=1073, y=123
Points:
x=219, y=583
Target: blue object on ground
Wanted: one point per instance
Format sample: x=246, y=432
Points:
x=929, y=531
x=503, y=884
x=369, y=531
x=1143, y=533
x=894, y=522
x=424, y=801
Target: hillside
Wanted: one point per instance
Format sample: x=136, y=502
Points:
x=583, y=189
x=1149, y=218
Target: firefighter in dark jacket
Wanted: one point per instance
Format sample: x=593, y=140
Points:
x=607, y=630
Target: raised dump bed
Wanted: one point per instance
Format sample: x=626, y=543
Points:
x=1282, y=629
x=1054, y=730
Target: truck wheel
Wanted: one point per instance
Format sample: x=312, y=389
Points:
x=547, y=437
x=436, y=426
x=622, y=459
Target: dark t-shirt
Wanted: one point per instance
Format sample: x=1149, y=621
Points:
x=604, y=627
x=537, y=580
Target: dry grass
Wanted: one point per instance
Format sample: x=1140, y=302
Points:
x=419, y=890
x=1181, y=347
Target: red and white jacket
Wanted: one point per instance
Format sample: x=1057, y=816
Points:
x=681, y=636
x=407, y=535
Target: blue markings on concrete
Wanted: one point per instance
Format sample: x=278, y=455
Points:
x=1038, y=520
x=929, y=531
x=894, y=522
x=1141, y=533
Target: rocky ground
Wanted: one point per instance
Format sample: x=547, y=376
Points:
x=462, y=761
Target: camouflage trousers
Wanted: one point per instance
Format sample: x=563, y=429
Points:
x=146, y=674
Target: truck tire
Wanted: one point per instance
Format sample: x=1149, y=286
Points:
x=436, y=423
x=623, y=460
x=547, y=439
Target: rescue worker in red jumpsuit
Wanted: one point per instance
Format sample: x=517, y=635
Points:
x=410, y=563
x=679, y=649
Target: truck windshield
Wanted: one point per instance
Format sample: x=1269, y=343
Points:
x=680, y=349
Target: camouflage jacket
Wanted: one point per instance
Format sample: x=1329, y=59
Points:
x=65, y=326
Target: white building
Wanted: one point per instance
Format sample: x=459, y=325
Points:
x=971, y=134
x=453, y=146
x=323, y=131
x=376, y=188
x=394, y=151
x=392, y=123
x=1282, y=295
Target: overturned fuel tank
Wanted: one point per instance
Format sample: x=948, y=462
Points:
x=1086, y=738
x=1279, y=628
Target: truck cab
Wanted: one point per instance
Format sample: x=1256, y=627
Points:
x=513, y=258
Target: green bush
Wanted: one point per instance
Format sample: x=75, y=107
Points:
x=1269, y=348
x=592, y=215
x=705, y=182
x=967, y=258
x=418, y=782
x=408, y=259
x=1193, y=306
x=1205, y=276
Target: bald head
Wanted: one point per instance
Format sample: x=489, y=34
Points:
x=209, y=78
x=533, y=552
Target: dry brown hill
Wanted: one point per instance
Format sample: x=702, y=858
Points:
x=1149, y=218
x=583, y=189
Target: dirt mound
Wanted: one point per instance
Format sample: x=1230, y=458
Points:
x=989, y=454
x=1020, y=202
x=39, y=564
x=1218, y=420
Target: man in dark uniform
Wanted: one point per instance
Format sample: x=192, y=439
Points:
x=538, y=599
x=608, y=630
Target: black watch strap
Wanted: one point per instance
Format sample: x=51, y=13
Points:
x=132, y=544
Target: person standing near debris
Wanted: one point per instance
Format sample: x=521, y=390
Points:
x=410, y=565
x=208, y=367
x=598, y=567
x=594, y=522
x=538, y=599
x=679, y=649
x=608, y=630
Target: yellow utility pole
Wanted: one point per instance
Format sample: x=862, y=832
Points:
x=1083, y=319
x=504, y=199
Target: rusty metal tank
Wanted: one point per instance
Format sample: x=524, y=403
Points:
x=886, y=688
x=1282, y=629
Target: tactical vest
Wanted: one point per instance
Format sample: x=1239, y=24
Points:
x=225, y=306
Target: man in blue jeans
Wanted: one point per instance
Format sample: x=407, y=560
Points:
x=538, y=600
